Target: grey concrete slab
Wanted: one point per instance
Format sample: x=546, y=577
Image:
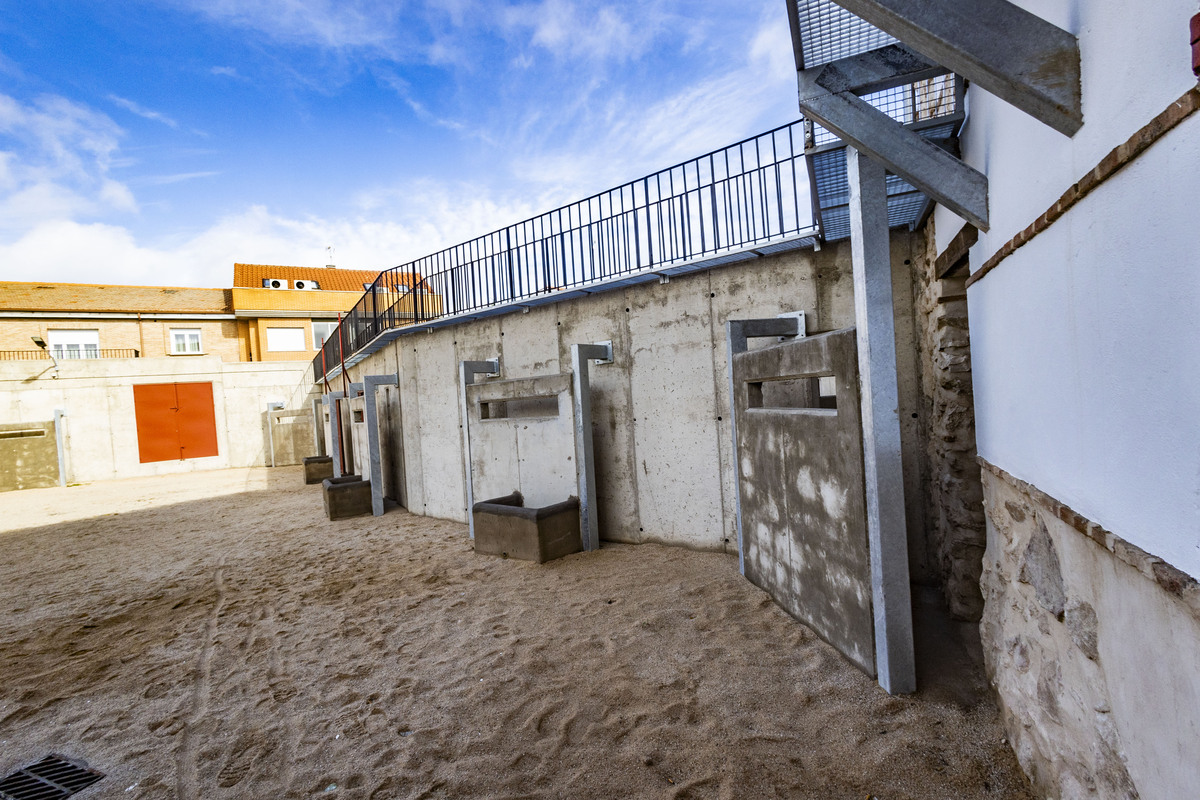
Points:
x=371, y=384
x=603, y=318
x=801, y=487
x=533, y=455
x=581, y=357
x=675, y=413
x=333, y=404
x=467, y=370
x=318, y=422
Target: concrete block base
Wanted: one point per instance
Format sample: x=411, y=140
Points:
x=317, y=468
x=347, y=496
x=504, y=527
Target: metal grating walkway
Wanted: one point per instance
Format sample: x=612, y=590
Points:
x=823, y=32
x=830, y=32
x=51, y=778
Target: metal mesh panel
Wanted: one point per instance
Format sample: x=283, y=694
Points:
x=914, y=102
x=905, y=203
x=829, y=32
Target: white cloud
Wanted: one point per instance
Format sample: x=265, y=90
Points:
x=166, y=180
x=335, y=24
x=228, y=72
x=567, y=28
x=142, y=111
x=55, y=162
x=621, y=139
x=435, y=215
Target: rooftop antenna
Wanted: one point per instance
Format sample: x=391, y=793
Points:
x=329, y=261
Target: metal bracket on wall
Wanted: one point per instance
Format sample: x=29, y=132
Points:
x=605, y=344
x=801, y=324
x=581, y=355
x=467, y=370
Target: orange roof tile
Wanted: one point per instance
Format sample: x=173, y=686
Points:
x=43, y=296
x=251, y=276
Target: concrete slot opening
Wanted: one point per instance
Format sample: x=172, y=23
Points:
x=25, y=434
x=522, y=407
x=806, y=392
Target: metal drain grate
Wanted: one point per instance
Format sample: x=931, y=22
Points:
x=51, y=778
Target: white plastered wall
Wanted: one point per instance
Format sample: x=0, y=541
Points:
x=1084, y=341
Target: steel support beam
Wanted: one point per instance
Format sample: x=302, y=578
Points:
x=738, y=333
x=332, y=400
x=467, y=370
x=1017, y=56
x=877, y=70
x=318, y=427
x=581, y=357
x=917, y=160
x=371, y=417
x=59, y=443
x=870, y=251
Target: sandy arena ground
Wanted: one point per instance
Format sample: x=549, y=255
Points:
x=212, y=635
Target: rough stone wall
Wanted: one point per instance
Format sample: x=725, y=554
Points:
x=955, y=496
x=1092, y=645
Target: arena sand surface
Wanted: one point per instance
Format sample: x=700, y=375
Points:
x=212, y=635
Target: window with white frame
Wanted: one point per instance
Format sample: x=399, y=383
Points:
x=185, y=341
x=322, y=330
x=72, y=344
x=285, y=340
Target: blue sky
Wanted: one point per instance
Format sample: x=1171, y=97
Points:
x=160, y=142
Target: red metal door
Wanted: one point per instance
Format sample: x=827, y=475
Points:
x=196, y=419
x=175, y=421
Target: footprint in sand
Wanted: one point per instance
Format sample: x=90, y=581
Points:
x=247, y=750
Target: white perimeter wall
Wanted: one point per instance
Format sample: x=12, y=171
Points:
x=1085, y=342
x=101, y=428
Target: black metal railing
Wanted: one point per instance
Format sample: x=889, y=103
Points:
x=749, y=194
x=68, y=355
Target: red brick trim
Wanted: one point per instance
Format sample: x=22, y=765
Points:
x=1175, y=582
x=1112, y=163
x=957, y=251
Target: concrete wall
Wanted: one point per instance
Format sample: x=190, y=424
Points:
x=1083, y=343
x=804, y=516
x=661, y=421
x=100, y=425
x=533, y=455
x=292, y=436
x=28, y=455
